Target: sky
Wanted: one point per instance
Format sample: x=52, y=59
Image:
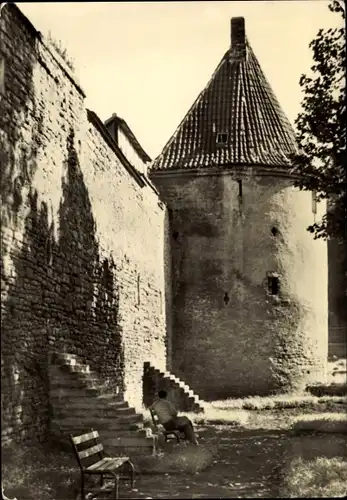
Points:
x=148, y=61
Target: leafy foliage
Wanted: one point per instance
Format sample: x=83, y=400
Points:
x=321, y=128
x=61, y=51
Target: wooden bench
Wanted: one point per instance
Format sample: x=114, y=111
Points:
x=175, y=434
x=93, y=461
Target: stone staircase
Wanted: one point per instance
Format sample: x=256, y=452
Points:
x=179, y=393
x=80, y=401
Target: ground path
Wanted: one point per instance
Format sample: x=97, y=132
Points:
x=249, y=464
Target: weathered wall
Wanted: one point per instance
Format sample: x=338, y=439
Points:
x=82, y=239
x=337, y=286
x=230, y=336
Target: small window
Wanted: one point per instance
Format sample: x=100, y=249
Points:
x=222, y=138
x=273, y=285
x=274, y=231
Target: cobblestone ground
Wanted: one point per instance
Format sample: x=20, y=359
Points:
x=244, y=465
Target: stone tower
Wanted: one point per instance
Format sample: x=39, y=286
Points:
x=249, y=283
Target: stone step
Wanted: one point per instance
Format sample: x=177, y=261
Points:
x=114, y=413
x=191, y=398
x=77, y=368
x=116, y=420
x=58, y=428
x=71, y=380
x=71, y=361
x=80, y=424
x=85, y=405
x=105, y=413
x=76, y=387
x=175, y=380
x=80, y=381
x=80, y=392
x=180, y=383
x=111, y=396
x=64, y=358
x=117, y=411
x=198, y=409
x=137, y=417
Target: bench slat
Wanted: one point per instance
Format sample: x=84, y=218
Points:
x=85, y=437
x=90, y=451
x=107, y=463
x=116, y=462
x=99, y=464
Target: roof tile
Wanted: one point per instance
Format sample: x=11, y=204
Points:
x=239, y=101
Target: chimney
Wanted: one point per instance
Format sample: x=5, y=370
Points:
x=238, y=38
x=112, y=126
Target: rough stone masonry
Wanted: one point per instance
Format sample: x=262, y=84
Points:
x=82, y=238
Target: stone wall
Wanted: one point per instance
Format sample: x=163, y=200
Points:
x=231, y=335
x=82, y=238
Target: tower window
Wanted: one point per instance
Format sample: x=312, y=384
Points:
x=273, y=283
x=222, y=138
x=240, y=189
x=274, y=231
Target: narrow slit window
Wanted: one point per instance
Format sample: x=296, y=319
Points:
x=273, y=285
x=240, y=191
x=222, y=138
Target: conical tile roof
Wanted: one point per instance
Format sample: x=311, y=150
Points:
x=236, y=120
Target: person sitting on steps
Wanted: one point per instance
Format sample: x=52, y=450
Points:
x=169, y=419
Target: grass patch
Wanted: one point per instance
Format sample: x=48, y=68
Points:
x=211, y=416
x=217, y=416
x=277, y=402
x=38, y=473
x=320, y=390
x=322, y=477
x=321, y=422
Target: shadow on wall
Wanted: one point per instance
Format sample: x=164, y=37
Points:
x=88, y=293
x=62, y=293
